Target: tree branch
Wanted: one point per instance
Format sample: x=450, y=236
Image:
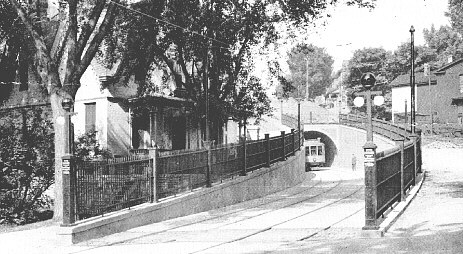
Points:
x=72, y=58
x=89, y=26
x=96, y=41
x=45, y=66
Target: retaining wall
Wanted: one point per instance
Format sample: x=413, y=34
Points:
x=262, y=182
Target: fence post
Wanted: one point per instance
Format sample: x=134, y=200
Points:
x=419, y=154
x=207, y=145
x=293, y=142
x=153, y=153
x=415, y=153
x=68, y=178
x=402, y=165
x=267, y=150
x=283, y=145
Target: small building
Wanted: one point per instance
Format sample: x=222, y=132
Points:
x=438, y=96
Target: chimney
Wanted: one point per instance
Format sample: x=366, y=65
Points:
x=449, y=59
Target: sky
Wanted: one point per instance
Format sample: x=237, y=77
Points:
x=387, y=26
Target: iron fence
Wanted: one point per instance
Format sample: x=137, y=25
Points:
x=181, y=171
x=396, y=168
x=389, y=176
x=105, y=186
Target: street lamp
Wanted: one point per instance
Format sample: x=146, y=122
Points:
x=67, y=172
x=67, y=103
x=368, y=81
x=412, y=80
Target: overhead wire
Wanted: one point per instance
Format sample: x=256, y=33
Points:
x=172, y=24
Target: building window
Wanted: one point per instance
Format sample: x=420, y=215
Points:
x=90, y=117
x=461, y=83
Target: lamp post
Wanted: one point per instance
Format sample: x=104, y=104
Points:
x=67, y=103
x=368, y=80
x=67, y=166
x=412, y=80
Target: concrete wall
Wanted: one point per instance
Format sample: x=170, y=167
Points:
x=259, y=183
x=349, y=142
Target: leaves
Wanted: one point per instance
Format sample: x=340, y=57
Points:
x=309, y=66
x=26, y=162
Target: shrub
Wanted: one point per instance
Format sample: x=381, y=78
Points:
x=87, y=147
x=26, y=165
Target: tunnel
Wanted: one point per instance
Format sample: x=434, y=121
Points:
x=330, y=148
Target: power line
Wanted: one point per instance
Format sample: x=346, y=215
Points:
x=171, y=24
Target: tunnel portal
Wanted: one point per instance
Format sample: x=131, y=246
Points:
x=330, y=147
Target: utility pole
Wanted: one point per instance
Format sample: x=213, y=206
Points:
x=307, y=79
x=412, y=80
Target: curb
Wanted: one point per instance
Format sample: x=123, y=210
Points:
x=396, y=212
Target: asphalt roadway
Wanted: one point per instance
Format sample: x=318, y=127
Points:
x=322, y=215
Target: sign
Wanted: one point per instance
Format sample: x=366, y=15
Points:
x=369, y=157
x=369, y=151
x=66, y=166
x=427, y=70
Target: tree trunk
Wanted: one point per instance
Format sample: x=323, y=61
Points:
x=58, y=112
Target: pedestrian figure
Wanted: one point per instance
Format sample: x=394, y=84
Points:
x=354, y=162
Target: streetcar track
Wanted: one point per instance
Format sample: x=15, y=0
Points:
x=310, y=187
x=291, y=219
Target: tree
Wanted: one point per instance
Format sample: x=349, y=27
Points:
x=444, y=42
x=398, y=62
x=309, y=66
x=374, y=60
x=210, y=39
x=455, y=13
x=63, y=47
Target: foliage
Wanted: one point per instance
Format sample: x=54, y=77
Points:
x=210, y=41
x=309, y=65
x=455, y=13
x=444, y=42
x=26, y=165
x=87, y=147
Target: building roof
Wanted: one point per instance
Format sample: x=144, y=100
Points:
x=442, y=69
x=420, y=80
x=160, y=100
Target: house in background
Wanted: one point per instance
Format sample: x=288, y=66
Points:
x=124, y=122
x=439, y=95
x=127, y=123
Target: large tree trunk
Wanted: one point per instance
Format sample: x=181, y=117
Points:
x=57, y=110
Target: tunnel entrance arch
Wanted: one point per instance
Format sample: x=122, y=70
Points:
x=330, y=147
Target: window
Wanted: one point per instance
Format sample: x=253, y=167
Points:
x=320, y=150
x=90, y=116
x=461, y=83
x=313, y=150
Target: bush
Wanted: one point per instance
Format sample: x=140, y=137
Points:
x=26, y=165
x=87, y=147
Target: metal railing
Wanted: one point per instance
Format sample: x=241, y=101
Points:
x=396, y=168
x=381, y=127
x=181, y=171
x=105, y=186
